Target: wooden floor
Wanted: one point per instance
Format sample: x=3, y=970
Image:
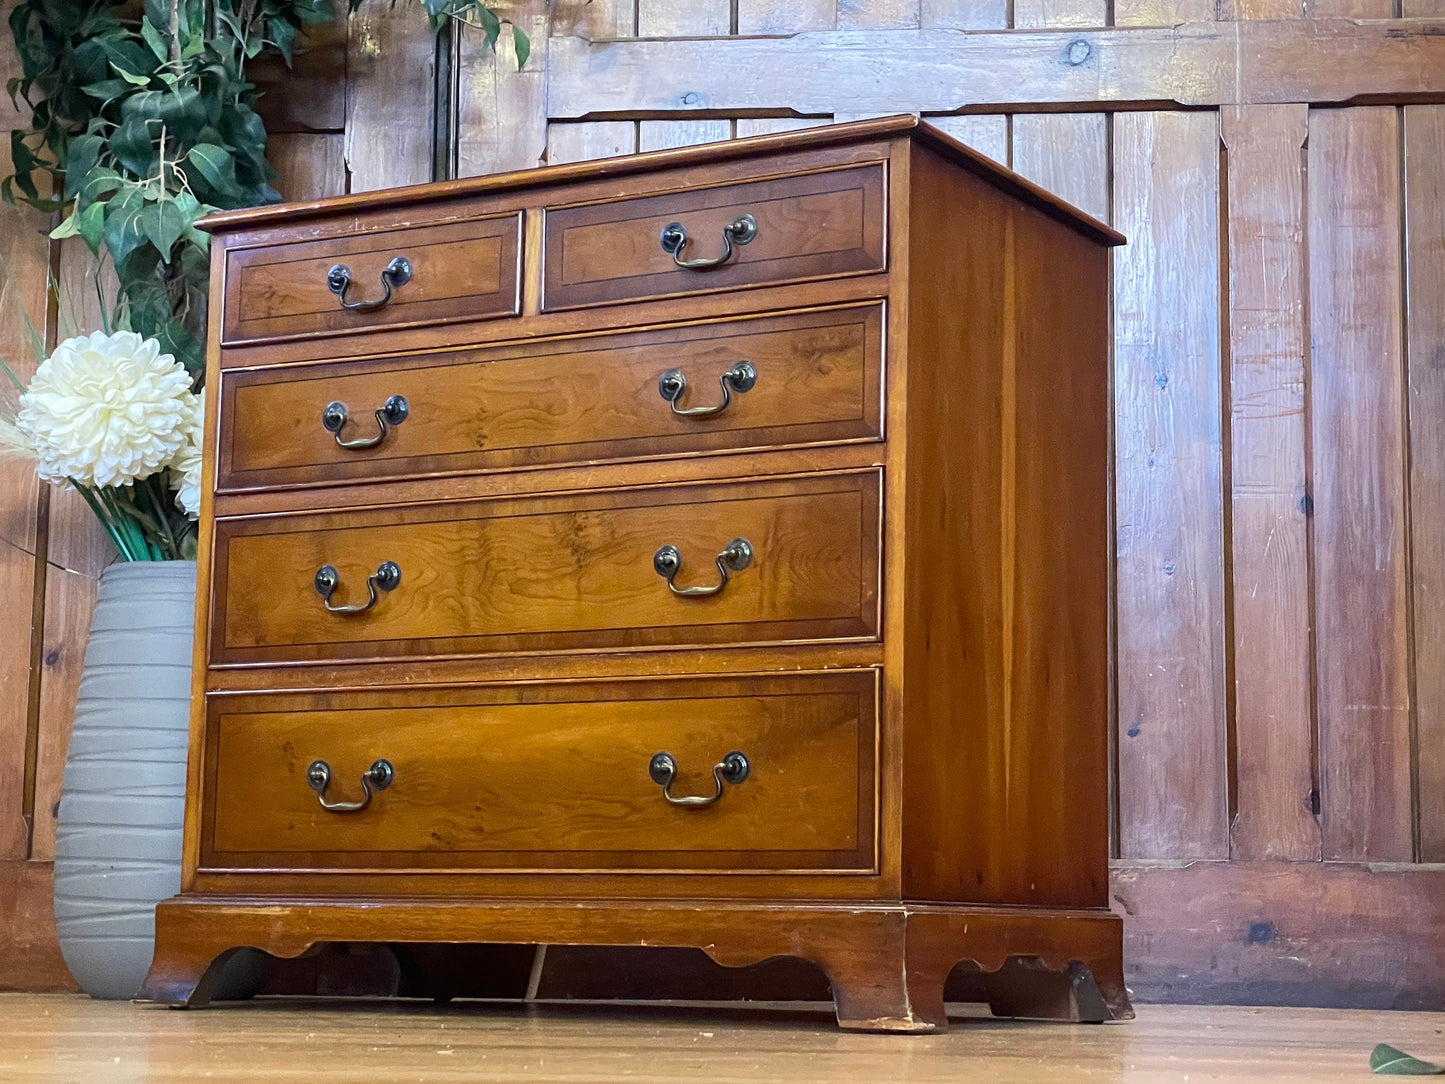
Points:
x=70, y=1039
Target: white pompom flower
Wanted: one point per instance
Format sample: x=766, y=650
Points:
x=186, y=469
x=107, y=410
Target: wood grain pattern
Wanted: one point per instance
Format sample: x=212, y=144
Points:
x=659, y=135
x=1173, y=796
x=464, y=270
x=390, y=96
x=986, y=133
x=23, y=275
x=785, y=16
x=819, y=379
x=31, y=958
x=877, y=14
x=1360, y=532
x=589, y=140
x=1030, y=431
x=501, y=120
x=552, y=777
x=964, y=14
x=1424, y=135
x=939, y=70
x=696, y=18
x=596, y=20
x=549, y=574
x=1334, y=934
x=1067, y=153
x=808, y=226
x=310, y=165
x=1274, y=757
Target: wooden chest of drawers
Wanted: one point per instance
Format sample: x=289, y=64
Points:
x=706, y=548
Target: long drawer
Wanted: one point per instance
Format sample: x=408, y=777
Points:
x=758, y=773
x=790, y=228
x=766, y=561
x=465, y=270
x=796, y=378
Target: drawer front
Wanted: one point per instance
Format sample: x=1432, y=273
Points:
x=806, y=226
x=459, y=271
x=550, y=776
x=813, y=377
x=573, y=572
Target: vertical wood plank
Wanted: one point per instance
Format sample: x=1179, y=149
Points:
x=1425, y=281
x=1274, y=724
x=588, y=140
x=767, y=125
x=877, y=14
x=693, y=19
x=309, y=95
x=965, y=14
x=986, y=133
x=1172, y=746
x=785, y=16
x=390, y=85
x=502, y=111
x=1358, y=440
x=77, y=551
x=1067, y=153
x=596, y=20
x=308, y=166
x=25, y=250
x=656, y=135
x=1163, y=12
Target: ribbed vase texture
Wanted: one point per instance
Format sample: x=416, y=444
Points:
x=118, y=835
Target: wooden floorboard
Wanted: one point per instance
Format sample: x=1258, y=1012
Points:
x=60, y=1037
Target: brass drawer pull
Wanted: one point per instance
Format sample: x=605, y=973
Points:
x=378, y=777
x=672, y=384
x=328, y=579
x=391, y=413
x=397, y=273
x=668, y=562
x=732, y=768
x=739, y=231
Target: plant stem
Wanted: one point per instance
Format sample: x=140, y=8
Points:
x=105, y=521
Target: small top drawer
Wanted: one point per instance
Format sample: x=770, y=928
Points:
x=754, y=233
x=467, y=270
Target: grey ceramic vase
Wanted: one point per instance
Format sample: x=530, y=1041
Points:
x=118, y=832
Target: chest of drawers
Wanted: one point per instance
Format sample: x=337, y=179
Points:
x=703, y=549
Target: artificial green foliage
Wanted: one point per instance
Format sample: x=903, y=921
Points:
x=142, y=121
x=1386, y=1060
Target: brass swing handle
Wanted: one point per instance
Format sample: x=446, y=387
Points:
x=386, y=577
x=739, y=231
x=672, y=384
x=391, y=413
x=378, y=777
x=733, y=768
x=667, y=562
x=397, y=273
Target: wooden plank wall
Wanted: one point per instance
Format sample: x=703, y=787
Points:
x=1279, y=370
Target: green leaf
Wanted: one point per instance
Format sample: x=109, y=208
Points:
x=107, y=89
x=133, y=145
x=491, y=26
x=163, y=222
x=216, y=165
x=130, y=77
x=83, y=156
x=92, y=226
x=1386, y=1060
x=154, y=40
x=101, y=181
x=123, y=231
x=523, y=45
x=69, y=228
